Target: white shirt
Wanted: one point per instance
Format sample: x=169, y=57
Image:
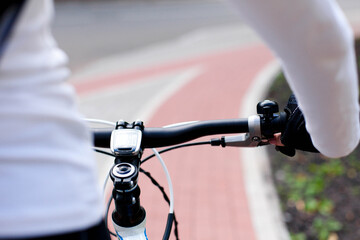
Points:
x=315, y=45
x=48, y=181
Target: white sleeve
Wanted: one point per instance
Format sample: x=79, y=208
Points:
x=315, y=45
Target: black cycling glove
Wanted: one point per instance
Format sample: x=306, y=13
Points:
x=295, y=135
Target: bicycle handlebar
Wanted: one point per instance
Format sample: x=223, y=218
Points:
x=167, y=136
x=160, y=137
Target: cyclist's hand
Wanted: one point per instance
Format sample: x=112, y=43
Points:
x=295, y=135
x=276, y=140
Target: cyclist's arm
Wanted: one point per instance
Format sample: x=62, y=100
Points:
x=315, y=45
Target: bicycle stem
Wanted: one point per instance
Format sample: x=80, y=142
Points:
x=129, y=216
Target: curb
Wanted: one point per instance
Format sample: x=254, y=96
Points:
x=262, y=197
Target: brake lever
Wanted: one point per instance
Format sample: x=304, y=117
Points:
x=251, y=139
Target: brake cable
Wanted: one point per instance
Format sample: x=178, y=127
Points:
x=176, y=147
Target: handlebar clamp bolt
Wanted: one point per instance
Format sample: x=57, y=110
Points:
x=123, y=170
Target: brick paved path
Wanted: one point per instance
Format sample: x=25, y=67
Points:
x=210, y=200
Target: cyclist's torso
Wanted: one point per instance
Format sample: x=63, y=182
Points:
x=48, y=180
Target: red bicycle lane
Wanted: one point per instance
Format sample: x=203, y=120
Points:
x=210, y=198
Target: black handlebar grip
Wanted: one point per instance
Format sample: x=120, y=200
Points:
x=272, y=124
x=279, y=123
